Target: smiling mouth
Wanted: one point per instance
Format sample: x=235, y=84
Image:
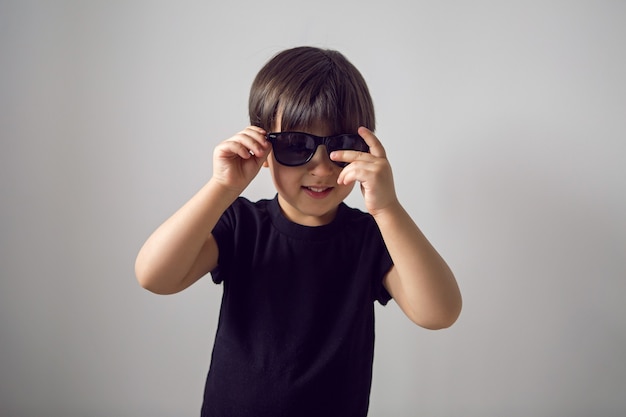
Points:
x=318, y=189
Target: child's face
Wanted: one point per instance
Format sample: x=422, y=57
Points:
x=309, y=194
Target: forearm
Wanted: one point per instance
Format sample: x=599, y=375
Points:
x=172, y=251
x=421, y=282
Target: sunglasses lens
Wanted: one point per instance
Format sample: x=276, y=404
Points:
x=292, y=148
x=296, y=148
x=349, y=142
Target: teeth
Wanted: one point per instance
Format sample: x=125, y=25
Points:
x=316, y=189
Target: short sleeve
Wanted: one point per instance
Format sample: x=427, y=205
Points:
x=224, y=232
x=373, y=259
x=384, y=266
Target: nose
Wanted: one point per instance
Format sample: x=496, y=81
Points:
x=320, y=164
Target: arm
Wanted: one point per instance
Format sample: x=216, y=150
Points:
x=420, y=280
x=182, y=249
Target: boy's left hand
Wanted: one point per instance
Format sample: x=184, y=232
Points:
x=372, y=170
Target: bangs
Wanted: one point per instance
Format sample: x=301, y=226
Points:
x=309, y=109
x=307, y=87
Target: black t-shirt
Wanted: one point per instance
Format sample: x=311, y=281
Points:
x=296, y=328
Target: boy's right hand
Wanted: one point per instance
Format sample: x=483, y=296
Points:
x=237, y=160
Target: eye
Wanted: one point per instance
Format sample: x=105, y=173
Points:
x=296, y=144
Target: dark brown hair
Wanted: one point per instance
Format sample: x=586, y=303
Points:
x=310, y=86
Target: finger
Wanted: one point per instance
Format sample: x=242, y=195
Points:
x=232, y=148
x=355, y=170
x=346, y=177
x=257, y=133
x=376, y=148
x=349, y=156
x=257, y=129
x=253, y=140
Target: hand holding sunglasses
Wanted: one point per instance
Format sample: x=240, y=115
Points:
x=237, y=160
x=297, y=148
x=373, y=171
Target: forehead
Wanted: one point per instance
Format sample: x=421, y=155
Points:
x=318, y=128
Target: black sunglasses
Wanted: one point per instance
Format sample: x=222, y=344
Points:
x=297, y=148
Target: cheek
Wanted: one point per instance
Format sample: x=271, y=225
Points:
x=345, y=190
x=282, y=177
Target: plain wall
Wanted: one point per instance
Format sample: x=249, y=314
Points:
x=504, y=123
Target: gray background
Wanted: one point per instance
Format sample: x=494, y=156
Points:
x=505, y=125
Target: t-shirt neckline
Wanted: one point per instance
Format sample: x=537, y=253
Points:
x=299, y=231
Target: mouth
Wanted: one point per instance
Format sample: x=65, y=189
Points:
x=317, y=191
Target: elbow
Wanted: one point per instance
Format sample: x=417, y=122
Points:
x=149, y=281
x=437, y=320
x=445, y=313
x=161, y=282
x=146, y=283
x=142, y=273
x=436, y=324
x=153, y=286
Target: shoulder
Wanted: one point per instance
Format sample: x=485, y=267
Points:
x=355, y=219
x=242, y=217
x=243, y=208
x=244, y=204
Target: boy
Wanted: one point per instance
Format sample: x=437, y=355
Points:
x=301, y=271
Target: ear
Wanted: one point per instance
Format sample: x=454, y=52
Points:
x=266, y=164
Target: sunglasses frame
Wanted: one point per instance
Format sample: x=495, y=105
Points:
x=318, y=140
